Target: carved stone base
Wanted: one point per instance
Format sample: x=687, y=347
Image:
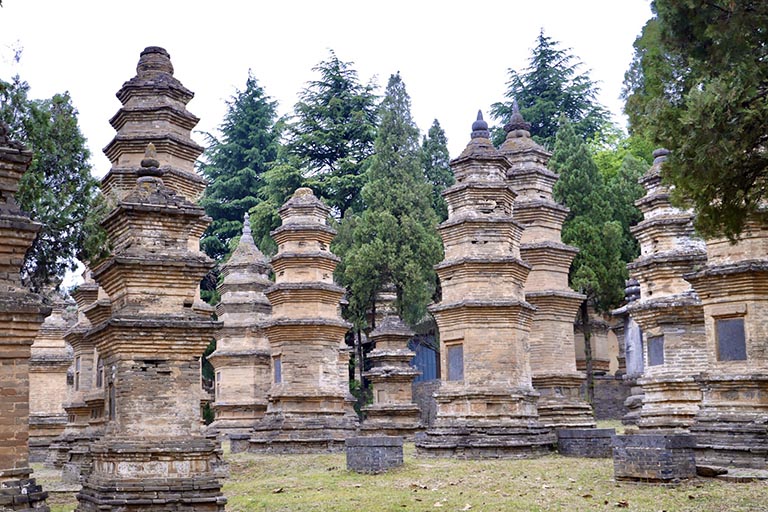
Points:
x=560, y=404
x=403, y=420
x=731, y=428
x=669, y=403
x=20, y=492
x=486, y=442
x=633, y=403
x=316, y=430
x=235, y=419
x=168, y=476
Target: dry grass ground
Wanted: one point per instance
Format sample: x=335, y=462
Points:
x=553, y=483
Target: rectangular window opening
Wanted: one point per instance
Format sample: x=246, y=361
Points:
x=655, y=350
x=455, y=361
x=731, y=340
x=277, y=364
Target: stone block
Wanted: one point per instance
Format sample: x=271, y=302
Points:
x=653, y=458
x=585, y=442
x=374, y=454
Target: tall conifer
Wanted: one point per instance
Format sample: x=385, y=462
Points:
x=395, y=239
x=236, y=164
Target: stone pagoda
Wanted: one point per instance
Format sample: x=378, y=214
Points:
x=553, y=357
x=48, y=382
x=393, y=412
x=151, y=339
x=668, y=311
x=154, y=110
x=21, y=314
x=85, y=399
x=242, y=358
x=310, y=407
x=730, y=427
x=486, y=404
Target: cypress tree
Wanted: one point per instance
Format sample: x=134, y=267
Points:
x=395, y=239
x=436, y=164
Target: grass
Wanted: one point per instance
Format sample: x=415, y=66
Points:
x=272, y=483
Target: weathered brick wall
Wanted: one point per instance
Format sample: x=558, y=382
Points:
x=14, y=395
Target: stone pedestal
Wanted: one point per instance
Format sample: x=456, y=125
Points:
x=21, y=314
x=730, y=426
x=310, y=407
x=653, y=458
x=151, y=337
x=374, y=454
x=553, y=358
x=668, y=311
x=393, y=411
x=241, y=361
x=486, y=404
x=585, y=442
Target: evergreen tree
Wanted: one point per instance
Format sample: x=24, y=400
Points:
x=698, y=85
x=235, y=165
x=333, y=133
x=436, y=163
x=395, y=239
x=597, y=270
x=550, y=87
x=58, y=190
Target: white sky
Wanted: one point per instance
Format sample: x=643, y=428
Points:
x=452, y=56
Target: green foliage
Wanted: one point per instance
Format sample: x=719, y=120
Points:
x=58, y=190
x=395, y=238
x=279, y=184
x=549, y=88
x=698, y=85
x=598, y=270
x=333, y=133
x=435, y=161
x=237, y=163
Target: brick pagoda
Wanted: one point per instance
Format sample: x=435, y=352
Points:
x=669, y=311
x=151, y=339
x=730, y=427
x=486, y=404
x=553, y=357
x=21, y=314
x=393, y=412
x=310, y=407
x=48, y=382
x=242, y=358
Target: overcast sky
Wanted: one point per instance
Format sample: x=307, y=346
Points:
x=452, y=56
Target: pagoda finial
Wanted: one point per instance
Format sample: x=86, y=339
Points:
x=246, y=224
x=660, y=155
x=516, y=122
x=154, y=60
x=480, y=127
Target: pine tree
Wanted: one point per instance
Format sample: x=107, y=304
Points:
x=698, y=86
x=550, y=87
x=333, y=133
x=236, y=164
x=395, y=239
x=436, y=163
x=58, y=190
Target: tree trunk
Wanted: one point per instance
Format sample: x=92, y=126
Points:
x=587, y=330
